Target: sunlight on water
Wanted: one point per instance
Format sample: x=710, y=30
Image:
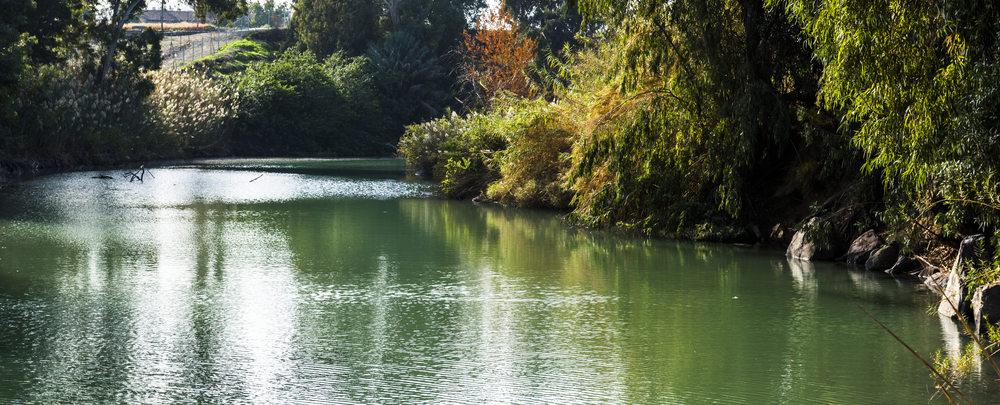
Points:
x=199, y=285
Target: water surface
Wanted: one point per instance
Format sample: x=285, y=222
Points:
x=345, y=281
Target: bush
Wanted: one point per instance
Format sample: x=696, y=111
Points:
x=419, y=145
x=297, y=106
x=456, y=151
x=464, y=162
x=533, y=167
x=65, y=118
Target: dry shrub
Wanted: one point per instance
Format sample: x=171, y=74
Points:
x=495, y=58
x=547, y=138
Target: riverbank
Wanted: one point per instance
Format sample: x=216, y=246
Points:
x=250, y=99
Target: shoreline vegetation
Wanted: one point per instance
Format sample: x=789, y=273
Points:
x=236, y=102
x=828, y=128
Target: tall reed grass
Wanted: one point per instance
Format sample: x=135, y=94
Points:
x=64, y=118
x=190, y=112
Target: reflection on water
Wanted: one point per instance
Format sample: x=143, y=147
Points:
x=804, y=275
x=202, y=286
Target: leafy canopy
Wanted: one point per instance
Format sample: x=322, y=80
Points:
x=920, y=82
x=705, y=89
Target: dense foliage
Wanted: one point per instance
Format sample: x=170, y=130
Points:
x=297, y=106
x=11, y=57
x=437, y=24
x=920, y=82
x=325, y=27
x=692, y=118
x=671, y=124
x=710, y=113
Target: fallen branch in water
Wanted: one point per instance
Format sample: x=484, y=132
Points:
x=255, y=178
x=943, y=382
x=137, y=175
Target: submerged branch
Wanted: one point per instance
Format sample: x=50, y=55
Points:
x=937, y=375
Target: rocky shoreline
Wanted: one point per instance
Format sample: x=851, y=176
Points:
x=980, y=303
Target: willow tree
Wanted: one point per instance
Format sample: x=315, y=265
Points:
x=921, y=81
x=705, y=88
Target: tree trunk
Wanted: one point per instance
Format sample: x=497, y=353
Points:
x=114, y=41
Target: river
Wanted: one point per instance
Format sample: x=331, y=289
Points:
x=346, y=281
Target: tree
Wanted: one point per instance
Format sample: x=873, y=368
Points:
x=552, y=22
x=702, y=111
x=438, y=24
x=409, y=74
x=324, y=27
x=106, y=19
x=56, y=29
x=495, y=57
x=267, y=14
x=116, y=21
x=221, y=9
x=11, y=55
x=920, y=81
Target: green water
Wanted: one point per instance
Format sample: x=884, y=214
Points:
x=313, y=281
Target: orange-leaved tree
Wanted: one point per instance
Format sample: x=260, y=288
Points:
x=494, y=59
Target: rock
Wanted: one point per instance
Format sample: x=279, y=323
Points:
x=986, y=305
x=862, y=248
x=882, y=259
x=781, y=234
x=804, y=249
x=953, y=300
x=904, y=265
x=937, y=281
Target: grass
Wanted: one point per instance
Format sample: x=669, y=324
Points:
x=237, y=56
